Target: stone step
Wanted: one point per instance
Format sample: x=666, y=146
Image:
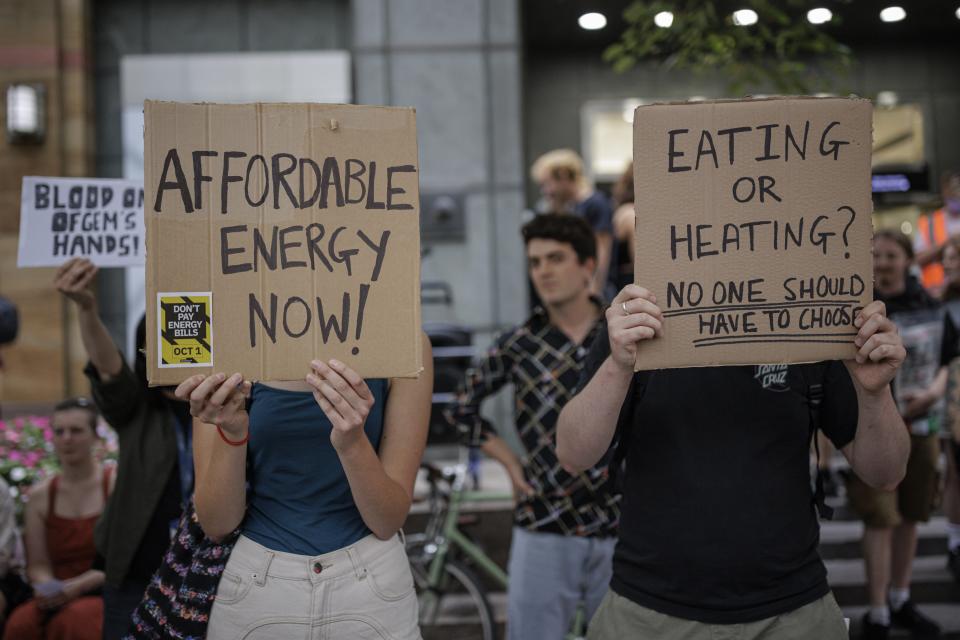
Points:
x=931, y=583
x=946, y=615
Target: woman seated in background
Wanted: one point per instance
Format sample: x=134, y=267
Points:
x=58, y=529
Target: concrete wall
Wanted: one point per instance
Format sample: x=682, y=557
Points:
x=458, y=63
x=126, y=27
x=558, y=83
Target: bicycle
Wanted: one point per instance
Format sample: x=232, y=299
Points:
x=452, y=598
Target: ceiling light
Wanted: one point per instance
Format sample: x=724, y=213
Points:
x=744, y=17
x=887, y=98
x=26, y=113
x=958, y=13
x=664, y=19
x=592, y=21
x=893, y=14
x=819, y=15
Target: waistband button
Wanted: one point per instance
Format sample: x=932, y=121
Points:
x=317, y=567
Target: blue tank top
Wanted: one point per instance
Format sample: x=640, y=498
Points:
x=299, y=499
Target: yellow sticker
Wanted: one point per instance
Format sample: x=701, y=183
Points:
x=185, y=329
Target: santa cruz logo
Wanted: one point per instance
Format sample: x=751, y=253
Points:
x=772, y=377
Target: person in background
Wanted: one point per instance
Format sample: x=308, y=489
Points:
x=9, y=325
x=624, y=221
x=564, y=189
x=934, y=229
x=330, y=463
x=60, y=517
x=155, y=465
x=564, y=523
x=890, y=516
x=951, y=440
x=14, y=590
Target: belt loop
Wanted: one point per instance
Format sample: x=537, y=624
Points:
x=359, y=568
x=261, y=579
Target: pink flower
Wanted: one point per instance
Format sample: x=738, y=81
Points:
x=16, y=456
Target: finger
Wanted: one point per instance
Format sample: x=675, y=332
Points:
x=328, y=410
x=637, y=320
x=343, y=407
x=873, y=325
x=222, y=394
x=637, y=305
x=337, y=382
x=876, y=307
x=353, y=379
x=247, y=389
x=185, y=388
x=198, y=398
x=631, y=336
x=633, y=292
x=892, y=352
x=65, y=267
x=323, y=392
x=876, y=340
x=81, y=273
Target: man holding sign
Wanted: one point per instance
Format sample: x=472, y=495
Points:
x=718, y=524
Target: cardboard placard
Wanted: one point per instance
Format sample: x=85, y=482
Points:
x=753, y=228
x=95, y=218
x=280, y=233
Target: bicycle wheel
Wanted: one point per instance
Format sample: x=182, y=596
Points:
x=457, y=609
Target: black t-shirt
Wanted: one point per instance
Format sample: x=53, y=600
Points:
x=717, y=520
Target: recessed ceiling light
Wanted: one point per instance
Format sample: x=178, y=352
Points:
x=820, y=15
x=664, y=19
x=592, y=21
x=744, y=17
x=957, y=13
x=893, y=14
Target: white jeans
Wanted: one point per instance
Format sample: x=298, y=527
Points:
x=363, y=591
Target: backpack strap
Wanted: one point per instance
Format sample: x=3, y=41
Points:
x=638, y=387
x=814, y=376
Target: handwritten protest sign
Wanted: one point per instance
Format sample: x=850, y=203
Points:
x=753, y=228
x=63, y=218
x=279, y=233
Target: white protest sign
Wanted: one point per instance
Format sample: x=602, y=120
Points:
x=96, y=218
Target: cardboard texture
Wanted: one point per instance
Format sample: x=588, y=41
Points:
x=96, y=218
x=280, y=233
x=753, y=228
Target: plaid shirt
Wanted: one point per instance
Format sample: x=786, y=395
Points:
x=544, y=367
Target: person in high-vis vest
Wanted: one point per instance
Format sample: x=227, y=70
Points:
x=934, y=229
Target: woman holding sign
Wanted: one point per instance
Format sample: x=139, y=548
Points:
x=330, y=463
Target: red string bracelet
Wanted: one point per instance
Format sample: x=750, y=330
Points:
x=233, y=443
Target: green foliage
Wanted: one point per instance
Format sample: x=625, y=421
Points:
x=782, y=51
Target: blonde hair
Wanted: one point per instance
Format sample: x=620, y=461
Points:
x=558, y=162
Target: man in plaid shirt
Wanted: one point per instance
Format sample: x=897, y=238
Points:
x=564, y=524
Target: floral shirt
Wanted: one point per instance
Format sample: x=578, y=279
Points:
x=543, y=365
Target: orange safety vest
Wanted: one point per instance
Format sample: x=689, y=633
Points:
x=936, y=234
